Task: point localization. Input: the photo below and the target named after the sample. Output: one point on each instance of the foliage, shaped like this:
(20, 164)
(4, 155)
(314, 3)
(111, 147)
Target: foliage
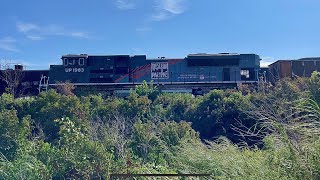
(227, 161)
(273, 134)
(66, 88)
(25, 167)
(12, 132)
(148, 90)
(314, 83)
(90, 90)
(13, 78)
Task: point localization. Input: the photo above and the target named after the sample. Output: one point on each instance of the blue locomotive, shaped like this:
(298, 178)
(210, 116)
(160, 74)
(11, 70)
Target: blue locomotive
(85, 68)
(196, 71)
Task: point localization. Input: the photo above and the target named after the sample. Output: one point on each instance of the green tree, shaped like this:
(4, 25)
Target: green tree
(148, 90)
(12, 132)
(314, 84)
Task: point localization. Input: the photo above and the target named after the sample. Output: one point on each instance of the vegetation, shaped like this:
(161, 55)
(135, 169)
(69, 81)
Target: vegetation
(238, 134)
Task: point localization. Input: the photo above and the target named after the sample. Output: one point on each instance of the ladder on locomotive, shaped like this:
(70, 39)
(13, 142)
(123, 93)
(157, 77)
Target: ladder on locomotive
(43, 84)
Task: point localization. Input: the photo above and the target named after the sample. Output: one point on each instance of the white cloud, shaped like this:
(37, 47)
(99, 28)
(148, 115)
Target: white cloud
(8, 47)
(125, 4)
(173, 6)
(79, 34)
(36, 32)
(26, 27)
(266, 61)
(8, 44)
(165, 9)
(34, 38)
(7, 40)
(161, 15)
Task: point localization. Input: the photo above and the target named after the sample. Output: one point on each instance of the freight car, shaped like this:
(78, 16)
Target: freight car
(19, 81)
(194, 73)
(291, 68)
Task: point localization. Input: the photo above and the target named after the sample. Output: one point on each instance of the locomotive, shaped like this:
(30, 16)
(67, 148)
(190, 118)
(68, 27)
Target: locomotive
(196, 73)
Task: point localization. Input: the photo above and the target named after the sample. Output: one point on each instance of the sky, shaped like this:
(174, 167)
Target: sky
(37, 33)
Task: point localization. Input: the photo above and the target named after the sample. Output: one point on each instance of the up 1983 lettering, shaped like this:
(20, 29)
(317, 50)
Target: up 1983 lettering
(75, 70)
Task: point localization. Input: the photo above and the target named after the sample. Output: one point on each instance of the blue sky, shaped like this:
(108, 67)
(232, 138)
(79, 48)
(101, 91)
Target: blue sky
(37, 32)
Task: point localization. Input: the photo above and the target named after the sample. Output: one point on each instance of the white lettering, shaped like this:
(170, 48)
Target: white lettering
(159, 70)
(75, 70)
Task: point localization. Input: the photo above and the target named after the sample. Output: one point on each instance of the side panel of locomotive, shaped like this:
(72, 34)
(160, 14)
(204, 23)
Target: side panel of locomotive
(134, 69)
(195, 68)
(91, 69)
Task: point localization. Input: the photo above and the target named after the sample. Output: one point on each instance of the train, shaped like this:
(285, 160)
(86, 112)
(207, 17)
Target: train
(195, 73)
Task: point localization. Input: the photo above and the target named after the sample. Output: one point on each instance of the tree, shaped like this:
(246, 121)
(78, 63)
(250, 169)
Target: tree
(12, 132)
(150, 90)
(66, 88)
(13, 79)
(314, 84)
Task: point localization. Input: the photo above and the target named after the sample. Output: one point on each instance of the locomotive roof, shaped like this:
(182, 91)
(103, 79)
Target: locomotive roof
(301, 59)
(310, 59)
(161, 59)
(74, 55)
(87, 55)
(220, 54)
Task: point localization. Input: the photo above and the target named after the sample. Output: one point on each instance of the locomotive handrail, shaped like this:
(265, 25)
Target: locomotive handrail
(163, 83)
